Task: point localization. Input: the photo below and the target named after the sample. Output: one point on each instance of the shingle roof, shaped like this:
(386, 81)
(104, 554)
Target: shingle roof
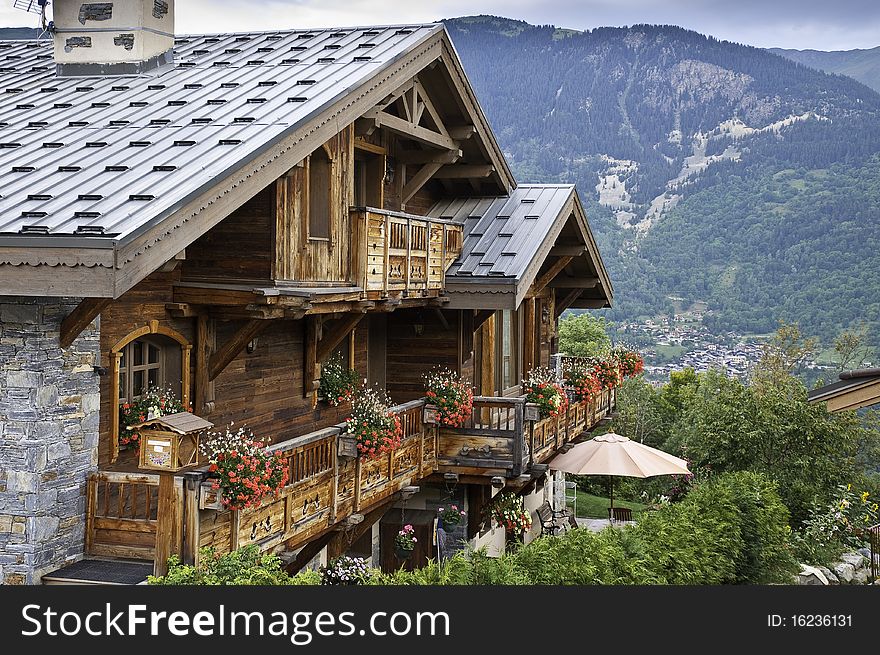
(96, 156)
(502, 235)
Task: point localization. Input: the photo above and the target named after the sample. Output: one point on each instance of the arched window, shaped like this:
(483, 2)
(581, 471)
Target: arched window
(152, 355)
(149, 362)
(320, 193)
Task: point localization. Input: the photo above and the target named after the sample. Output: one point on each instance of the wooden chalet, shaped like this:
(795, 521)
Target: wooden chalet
(223, 221)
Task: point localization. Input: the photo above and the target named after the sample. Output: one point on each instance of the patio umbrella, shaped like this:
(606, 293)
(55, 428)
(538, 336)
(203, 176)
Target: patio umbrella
(611, 454)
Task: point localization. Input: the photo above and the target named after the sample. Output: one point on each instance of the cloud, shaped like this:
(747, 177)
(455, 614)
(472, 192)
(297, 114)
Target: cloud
(819, 24)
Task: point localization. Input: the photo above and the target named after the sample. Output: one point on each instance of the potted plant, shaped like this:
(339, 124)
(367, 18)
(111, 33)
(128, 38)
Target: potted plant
(509, 511)
(345, 570)
(451, 395)
(450, 517)
(607, 372)
(542, 389)
(376, 430)
(629, 362)
(243, 471)
(152, 403)
(585, 386)
(405, 542)
(338, 383)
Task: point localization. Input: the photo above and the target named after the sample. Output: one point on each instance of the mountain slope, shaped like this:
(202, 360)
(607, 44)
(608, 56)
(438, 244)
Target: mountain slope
(657, 125)
(861, 65)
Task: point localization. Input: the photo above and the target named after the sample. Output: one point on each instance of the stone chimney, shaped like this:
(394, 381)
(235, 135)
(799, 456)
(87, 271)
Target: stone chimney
(123, 37)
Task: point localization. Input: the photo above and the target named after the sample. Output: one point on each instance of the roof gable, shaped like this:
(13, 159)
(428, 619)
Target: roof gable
(507, 239)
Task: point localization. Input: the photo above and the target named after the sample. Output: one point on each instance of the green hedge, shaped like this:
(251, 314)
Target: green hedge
(732, 529)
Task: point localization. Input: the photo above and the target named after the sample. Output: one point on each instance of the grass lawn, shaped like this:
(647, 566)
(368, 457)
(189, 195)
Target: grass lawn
(596, 507)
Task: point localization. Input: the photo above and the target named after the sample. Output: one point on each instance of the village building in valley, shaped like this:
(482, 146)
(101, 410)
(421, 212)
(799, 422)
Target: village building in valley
(220, 216)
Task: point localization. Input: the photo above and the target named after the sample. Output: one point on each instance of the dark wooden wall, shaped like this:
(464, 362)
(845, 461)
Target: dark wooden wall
(240, 246)
(410, 356)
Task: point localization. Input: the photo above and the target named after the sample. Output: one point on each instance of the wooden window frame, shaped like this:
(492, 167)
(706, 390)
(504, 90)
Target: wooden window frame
(330, 196)
(130, 368)
(116, 352)
(515, 359)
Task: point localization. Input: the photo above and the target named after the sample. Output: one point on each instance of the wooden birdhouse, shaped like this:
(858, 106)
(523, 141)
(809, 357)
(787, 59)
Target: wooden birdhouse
(170, 442)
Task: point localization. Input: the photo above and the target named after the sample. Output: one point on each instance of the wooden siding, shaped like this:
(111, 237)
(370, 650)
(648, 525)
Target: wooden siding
(298, 257)
(240, 246)
(410, 356)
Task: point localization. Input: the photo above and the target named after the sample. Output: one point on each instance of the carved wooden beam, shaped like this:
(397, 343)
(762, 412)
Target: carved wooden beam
(428, 156)
(567, 251)
(425, 173)
(575, 283)
(415, 132)
(79, 319)
(462, 132)
(334, 336)
(465, 171)
(223, 357)
(481, 317)
(565, 303)
(551, 273)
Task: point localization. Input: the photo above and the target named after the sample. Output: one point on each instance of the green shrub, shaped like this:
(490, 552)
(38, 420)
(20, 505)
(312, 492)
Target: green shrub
(245, 566)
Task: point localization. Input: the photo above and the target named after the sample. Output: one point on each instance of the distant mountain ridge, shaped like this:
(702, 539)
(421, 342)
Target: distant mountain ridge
(19, 33)
(713, 170)
(861, 65)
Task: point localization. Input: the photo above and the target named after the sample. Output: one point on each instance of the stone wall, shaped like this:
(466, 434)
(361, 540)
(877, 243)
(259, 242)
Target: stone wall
(49, 401)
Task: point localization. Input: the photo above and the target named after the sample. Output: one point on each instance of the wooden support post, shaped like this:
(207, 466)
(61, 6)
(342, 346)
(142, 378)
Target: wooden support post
(487, 358)
(115, 359)
(551, 273)
(204, 388)
(230, 350)
(168, 523)
(191, 485)
(310, 364)
(334, 336)
(78, 320)
(529, 334)
(481, 317)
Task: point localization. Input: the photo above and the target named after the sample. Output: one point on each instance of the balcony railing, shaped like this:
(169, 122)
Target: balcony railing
(402, 254)
(151, 516)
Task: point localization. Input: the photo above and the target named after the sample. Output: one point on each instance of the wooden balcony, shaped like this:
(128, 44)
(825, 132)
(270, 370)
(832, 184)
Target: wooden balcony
(500, 440)
(402, 254)
(146, 516)
(140, 516)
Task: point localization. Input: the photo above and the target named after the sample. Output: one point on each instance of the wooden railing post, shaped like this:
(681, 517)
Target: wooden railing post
(191, 485)
(168, 528)
(518, 438)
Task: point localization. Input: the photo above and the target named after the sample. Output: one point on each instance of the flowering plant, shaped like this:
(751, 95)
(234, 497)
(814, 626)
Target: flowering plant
(452, 396)
(451, 515)
(629, 362)
(607, 372)
(541, 388)
(337, 382)
(376, 429)
(406, 538)
(152, 403)
(345, 570)
(585, 385)
(509, 511)
(242, 468)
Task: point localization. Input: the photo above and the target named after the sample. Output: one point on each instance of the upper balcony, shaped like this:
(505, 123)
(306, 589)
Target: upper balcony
(398, 254)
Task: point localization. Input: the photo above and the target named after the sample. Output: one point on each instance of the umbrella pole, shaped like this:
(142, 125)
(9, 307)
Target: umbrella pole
(611, 484)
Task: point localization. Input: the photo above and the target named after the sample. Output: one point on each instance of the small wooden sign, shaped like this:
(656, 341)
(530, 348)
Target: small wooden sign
(210, 498)
(532, 412)
(431, 415)
(346, 445)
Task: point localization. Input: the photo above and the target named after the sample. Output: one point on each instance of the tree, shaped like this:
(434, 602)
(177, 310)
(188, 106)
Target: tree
(784, 355)
(584, 335)
(852, 348)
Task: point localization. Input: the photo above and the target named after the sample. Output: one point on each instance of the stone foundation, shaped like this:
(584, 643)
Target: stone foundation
(49, 403)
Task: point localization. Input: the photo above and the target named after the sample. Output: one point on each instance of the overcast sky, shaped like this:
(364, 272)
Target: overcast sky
(817, 24)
